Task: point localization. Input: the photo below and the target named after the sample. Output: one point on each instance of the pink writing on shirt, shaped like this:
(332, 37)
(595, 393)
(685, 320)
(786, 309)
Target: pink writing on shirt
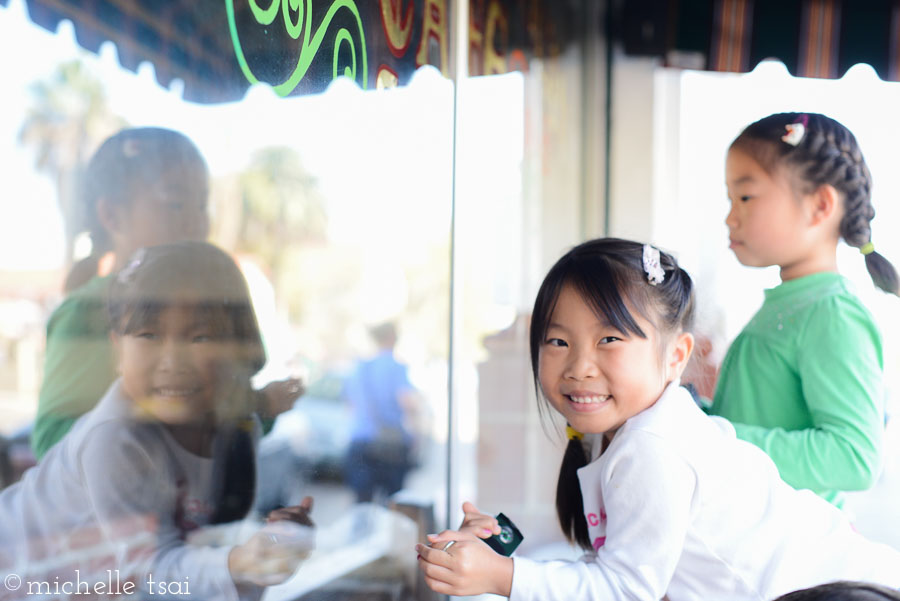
(594, 520)
(599, 542)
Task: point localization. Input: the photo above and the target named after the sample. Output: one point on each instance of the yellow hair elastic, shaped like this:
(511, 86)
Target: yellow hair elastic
(573, 434)
(867, 248)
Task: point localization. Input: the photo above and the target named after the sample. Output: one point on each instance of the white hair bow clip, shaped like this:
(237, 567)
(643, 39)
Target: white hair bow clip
(795, 133)
(127, 274)
(653, 269)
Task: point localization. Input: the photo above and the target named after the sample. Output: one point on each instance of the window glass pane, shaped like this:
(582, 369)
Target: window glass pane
(335, 209)
(285, 333)
(517, 210)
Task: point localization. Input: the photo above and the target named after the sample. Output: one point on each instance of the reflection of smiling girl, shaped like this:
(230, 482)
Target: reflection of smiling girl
(172, 364)
(143, 187)
(171, 443)
(663, 499)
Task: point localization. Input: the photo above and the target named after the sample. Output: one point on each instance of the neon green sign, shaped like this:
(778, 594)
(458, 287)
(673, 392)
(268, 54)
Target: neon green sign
(297, 18)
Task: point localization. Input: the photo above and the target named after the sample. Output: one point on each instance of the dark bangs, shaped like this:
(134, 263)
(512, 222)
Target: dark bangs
(762, 141)
(146, 313)
(604, 281)
(764, 151)
(229, 321)
(126, 320)
(189, 274)
(606, 300)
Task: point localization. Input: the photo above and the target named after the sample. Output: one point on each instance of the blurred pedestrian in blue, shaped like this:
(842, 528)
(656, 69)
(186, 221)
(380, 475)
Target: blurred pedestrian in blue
(383, 403)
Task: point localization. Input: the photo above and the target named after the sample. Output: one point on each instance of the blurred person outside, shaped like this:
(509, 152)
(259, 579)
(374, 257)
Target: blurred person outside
(385, 407)
(143, 187)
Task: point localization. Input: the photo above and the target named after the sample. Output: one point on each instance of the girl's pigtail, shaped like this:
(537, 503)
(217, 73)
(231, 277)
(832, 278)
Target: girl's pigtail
(882, 272)
(829, 154)
(234, 473)
(676, 297)
(569, 502)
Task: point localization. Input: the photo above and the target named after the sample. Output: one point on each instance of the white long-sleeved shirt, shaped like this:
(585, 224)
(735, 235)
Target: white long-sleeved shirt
(116, 493)
(677, 506)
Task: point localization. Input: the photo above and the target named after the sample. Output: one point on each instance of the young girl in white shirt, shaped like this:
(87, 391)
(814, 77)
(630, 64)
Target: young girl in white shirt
(664, 499)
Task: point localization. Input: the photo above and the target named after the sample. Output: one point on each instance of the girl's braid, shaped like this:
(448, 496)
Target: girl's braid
(833, 157)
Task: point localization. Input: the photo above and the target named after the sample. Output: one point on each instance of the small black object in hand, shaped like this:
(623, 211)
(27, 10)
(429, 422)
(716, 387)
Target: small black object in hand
(508, 539)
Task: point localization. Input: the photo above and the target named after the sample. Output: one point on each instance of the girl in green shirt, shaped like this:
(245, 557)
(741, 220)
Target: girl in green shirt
(803, 380)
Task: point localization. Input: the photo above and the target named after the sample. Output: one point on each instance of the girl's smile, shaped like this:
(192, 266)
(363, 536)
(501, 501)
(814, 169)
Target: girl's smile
(178, 400)
(176, 392)
(586, 401)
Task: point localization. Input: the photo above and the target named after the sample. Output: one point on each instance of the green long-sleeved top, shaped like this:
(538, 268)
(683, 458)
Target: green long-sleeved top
(803, 381)
(78, 363)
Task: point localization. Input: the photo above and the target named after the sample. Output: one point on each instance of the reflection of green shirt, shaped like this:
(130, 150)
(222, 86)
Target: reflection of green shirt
(78, 366)
(803, 381)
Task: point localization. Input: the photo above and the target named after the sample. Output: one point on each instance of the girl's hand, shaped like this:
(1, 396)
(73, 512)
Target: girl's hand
(477, 523)
(263, 561)
(273, 554)
(466, 567)
(296, 513)
(278, 397)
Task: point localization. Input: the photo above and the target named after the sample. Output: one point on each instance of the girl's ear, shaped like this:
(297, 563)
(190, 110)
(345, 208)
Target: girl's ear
(679, 353)
(825, 203)
(109, 214)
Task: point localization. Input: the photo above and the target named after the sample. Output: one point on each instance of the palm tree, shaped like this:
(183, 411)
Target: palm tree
(272, 211)
(281, 206)
(67, 121)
